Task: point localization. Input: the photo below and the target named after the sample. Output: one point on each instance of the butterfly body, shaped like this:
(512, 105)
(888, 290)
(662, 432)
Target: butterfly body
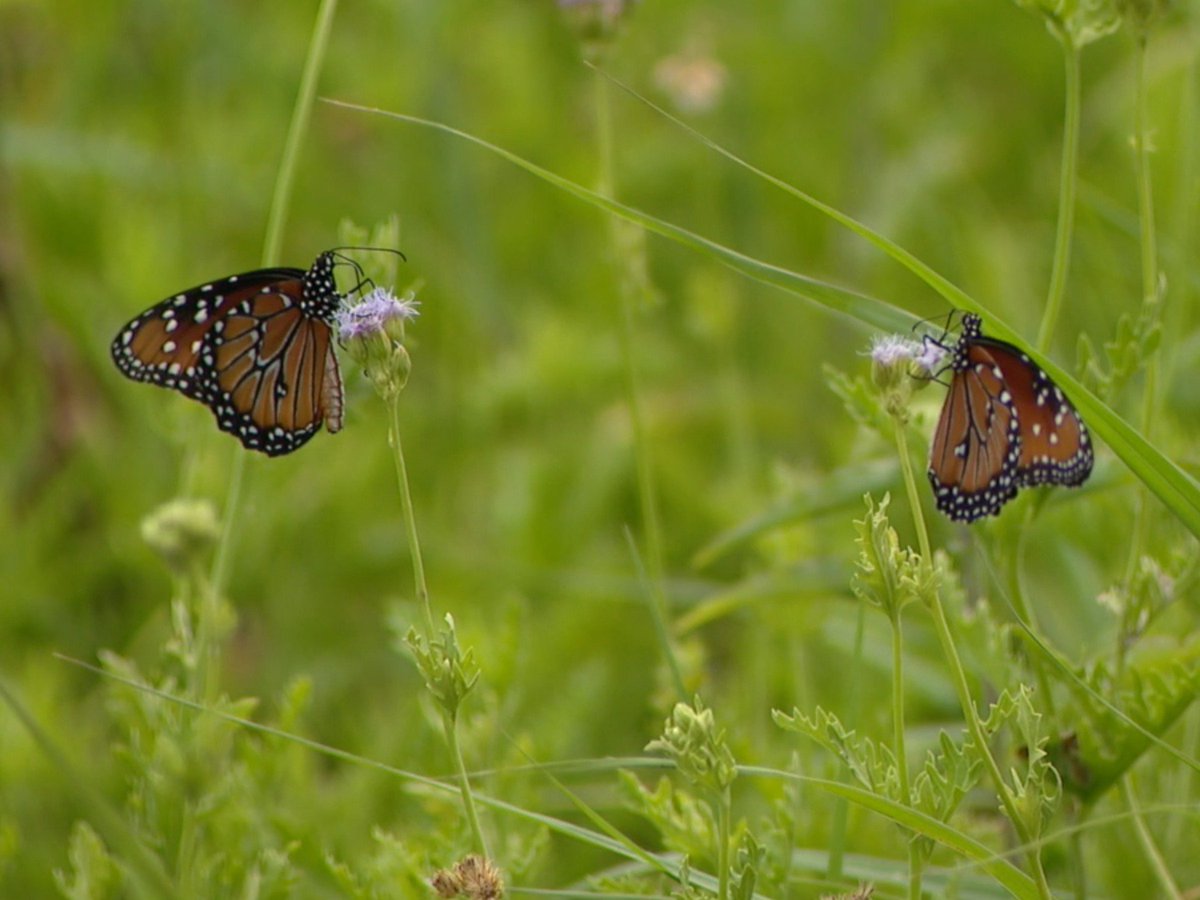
(1005, 425)
(255, 348)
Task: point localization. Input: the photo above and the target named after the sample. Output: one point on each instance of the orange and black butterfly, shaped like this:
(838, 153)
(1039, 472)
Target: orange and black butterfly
(1004, 426)
(255, 348)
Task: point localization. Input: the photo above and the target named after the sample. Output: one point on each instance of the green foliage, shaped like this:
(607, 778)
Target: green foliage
(1135, 341)
(699, 750)
(1153, 690)
(449, 672)
(94, 874)
(1033, 788)
(887, 575)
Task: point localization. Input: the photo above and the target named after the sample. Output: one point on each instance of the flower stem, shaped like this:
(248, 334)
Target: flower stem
(410, 519)
(910, 488)
(1067, 189)
(979, 738)
(450, 728)
(915, 864)
(724, 813)
(449, 719)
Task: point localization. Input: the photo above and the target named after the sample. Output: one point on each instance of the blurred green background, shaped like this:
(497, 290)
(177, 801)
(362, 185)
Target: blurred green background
(139, 145)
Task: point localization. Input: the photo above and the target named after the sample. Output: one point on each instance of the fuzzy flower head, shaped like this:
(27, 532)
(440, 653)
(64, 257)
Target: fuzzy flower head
(899, 365)
(373, 333)
(379, 313)
(595, 21)
(473, 878)
(182, 531)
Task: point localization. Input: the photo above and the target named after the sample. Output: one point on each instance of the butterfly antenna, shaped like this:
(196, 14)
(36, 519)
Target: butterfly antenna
(370, 250)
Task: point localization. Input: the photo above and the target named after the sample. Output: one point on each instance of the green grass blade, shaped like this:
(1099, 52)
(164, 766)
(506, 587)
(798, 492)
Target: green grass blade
(851, 304)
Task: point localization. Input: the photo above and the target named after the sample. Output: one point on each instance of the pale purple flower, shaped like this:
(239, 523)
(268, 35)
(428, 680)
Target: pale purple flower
(889, 350)
(374, 314)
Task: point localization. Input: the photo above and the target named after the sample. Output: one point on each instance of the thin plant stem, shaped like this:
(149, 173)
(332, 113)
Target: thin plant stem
(449, 720)
(658, 615)
(910, 488)
(839, 828)
(1151, 298)
(1182, 783)
(298, 128)
(724, 814)
(1067, 190)
(1076, 855)
(450, 728)
(975, 728)
(915, 863)
(959, 675)
(1149, 848)
(627, 279)
(646, 488)
(410, 519)
(1025, 613)
(213, 588)
(1145, 190)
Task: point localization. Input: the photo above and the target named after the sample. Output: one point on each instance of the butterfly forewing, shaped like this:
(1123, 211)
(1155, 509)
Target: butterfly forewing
(268, 367)
(255, 348)
(973, 460)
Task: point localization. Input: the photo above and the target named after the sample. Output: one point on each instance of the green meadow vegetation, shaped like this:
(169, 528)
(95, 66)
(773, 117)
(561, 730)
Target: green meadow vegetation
(624, 577)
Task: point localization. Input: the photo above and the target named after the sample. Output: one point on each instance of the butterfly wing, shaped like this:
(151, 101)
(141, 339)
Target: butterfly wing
(270, 371)
(973, 461)
(1055, 445)
(254, 348)
(163, 345)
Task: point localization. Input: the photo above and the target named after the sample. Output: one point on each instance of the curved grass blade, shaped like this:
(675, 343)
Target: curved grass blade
(850, 304)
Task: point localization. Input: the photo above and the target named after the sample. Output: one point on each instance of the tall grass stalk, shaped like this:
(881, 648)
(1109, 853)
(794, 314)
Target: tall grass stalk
(628, 273)
(1152, 305)
(1067, 190)
(1151, 295)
